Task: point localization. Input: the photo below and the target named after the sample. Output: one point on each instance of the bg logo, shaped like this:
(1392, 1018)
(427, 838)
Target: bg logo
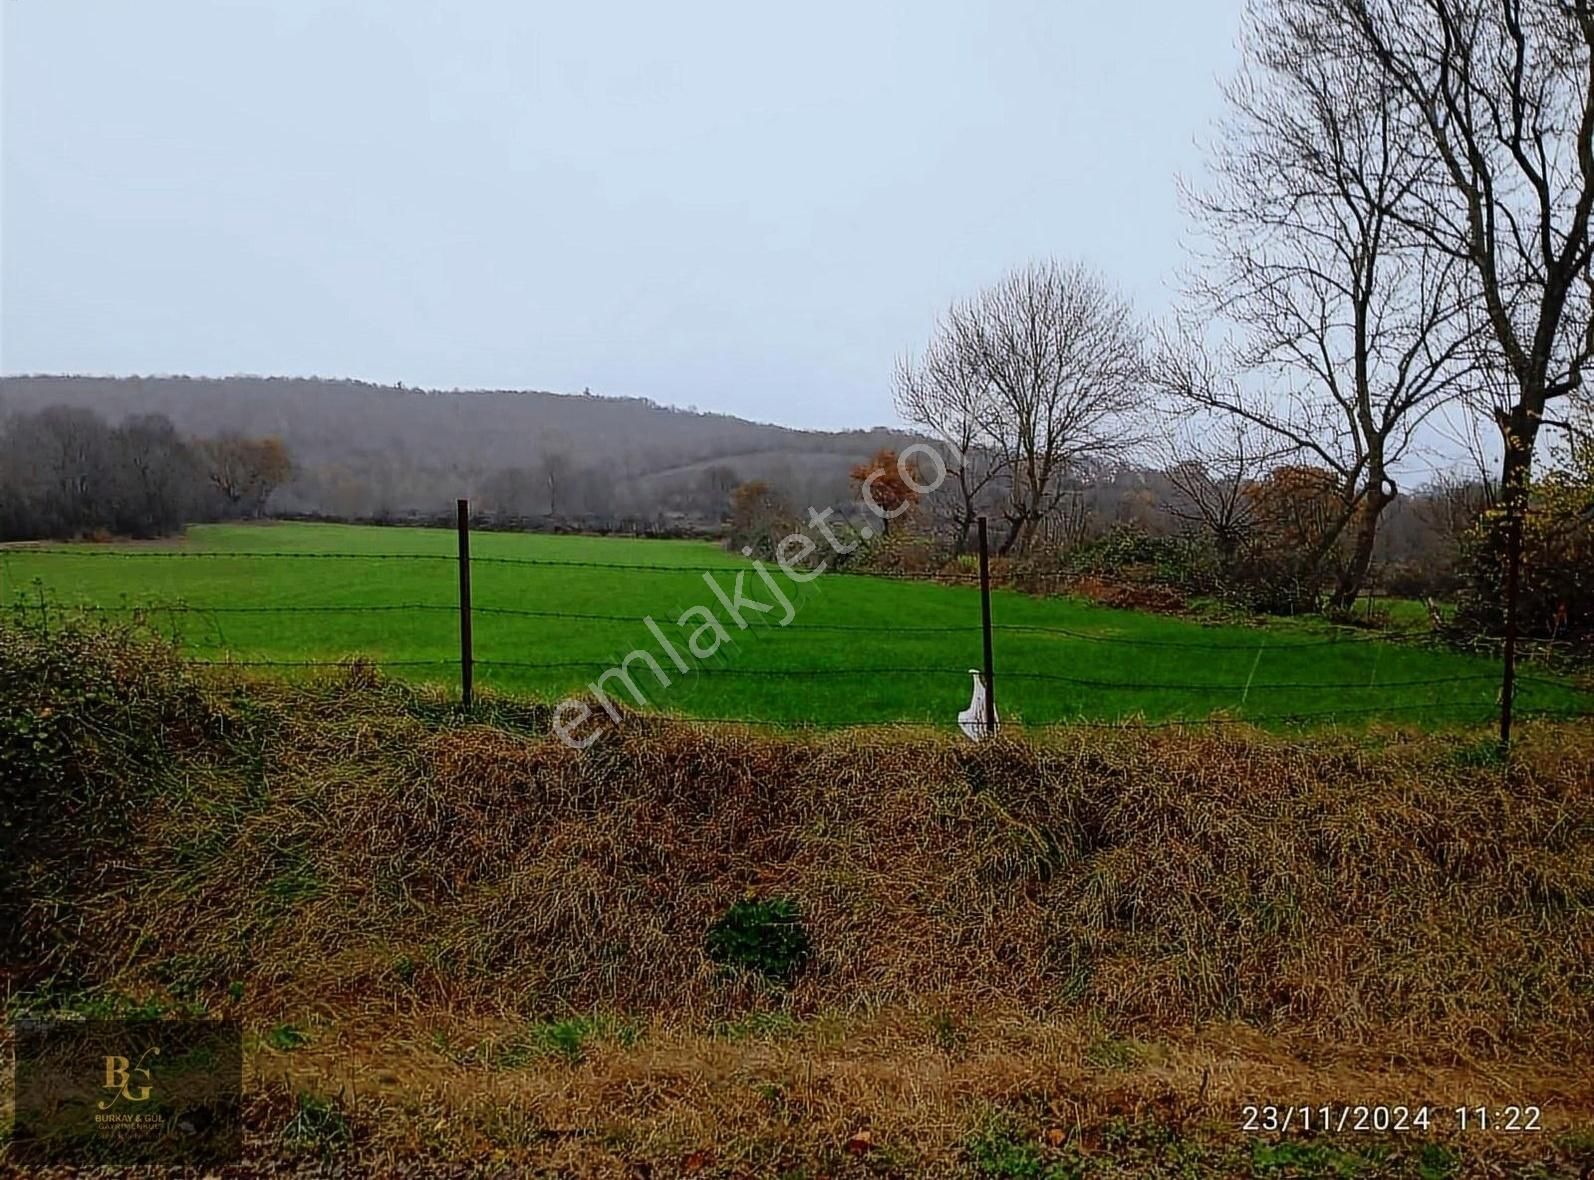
(119, 1079)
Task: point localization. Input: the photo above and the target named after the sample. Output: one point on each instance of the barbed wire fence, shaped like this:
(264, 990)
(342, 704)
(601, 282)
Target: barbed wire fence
(466, 663)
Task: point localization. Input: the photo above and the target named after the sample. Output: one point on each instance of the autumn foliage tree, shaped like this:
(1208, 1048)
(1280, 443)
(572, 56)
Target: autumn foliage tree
(246, 470)
(760, 518)
(1297, 505)
(887, 483)
(1296, 540)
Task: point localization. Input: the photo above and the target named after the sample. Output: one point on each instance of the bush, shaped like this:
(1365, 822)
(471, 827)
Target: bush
(1420, 579)
(762, 936)
(1130, 554)
(1556, 591)
(1129, 596)
(761, 517)
(1272, 581)
(78, 708)
(902, 552)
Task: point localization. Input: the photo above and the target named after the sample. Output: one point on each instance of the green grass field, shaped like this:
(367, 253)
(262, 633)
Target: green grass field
(851, 654)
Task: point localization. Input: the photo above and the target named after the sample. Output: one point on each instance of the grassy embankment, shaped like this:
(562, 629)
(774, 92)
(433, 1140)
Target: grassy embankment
(461, 944)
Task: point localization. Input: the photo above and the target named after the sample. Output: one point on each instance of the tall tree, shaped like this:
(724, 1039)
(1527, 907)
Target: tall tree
(1057, 354)
(157, 476)
(1500, 94)
(1349, 333)
(944, 391)
(555, 468)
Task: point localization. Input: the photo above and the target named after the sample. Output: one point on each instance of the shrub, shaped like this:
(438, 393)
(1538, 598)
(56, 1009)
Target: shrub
(1272, 581)
(79, 708)
(761, 517)
(1556, 590)
(1434, 578)
(901, 552)
(1132, 555)
(1127, 596)
(766, 937)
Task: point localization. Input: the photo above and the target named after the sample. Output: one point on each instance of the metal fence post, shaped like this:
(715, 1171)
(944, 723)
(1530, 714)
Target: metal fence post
(985, 626)
(466, 671)
(1513, 578)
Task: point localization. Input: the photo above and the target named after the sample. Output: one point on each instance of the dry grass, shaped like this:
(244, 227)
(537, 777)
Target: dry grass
(493, 946)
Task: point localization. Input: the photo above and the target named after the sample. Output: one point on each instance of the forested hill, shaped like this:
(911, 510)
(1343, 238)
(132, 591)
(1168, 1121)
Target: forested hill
(362, 449)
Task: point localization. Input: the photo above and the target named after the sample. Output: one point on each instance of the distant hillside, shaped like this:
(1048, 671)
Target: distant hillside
(364, 449)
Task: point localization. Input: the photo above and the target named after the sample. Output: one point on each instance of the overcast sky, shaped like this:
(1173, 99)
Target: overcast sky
(744, 207)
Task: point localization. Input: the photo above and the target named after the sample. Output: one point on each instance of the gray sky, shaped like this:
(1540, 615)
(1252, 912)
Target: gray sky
(744, 207)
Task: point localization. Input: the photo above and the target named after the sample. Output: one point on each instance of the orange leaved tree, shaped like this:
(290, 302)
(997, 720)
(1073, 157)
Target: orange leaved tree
(886, 483)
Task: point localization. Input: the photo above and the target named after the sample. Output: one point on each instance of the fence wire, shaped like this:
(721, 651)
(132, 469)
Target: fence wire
(1338, 638)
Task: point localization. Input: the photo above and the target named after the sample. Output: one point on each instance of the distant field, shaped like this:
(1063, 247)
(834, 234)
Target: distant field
(851, 655)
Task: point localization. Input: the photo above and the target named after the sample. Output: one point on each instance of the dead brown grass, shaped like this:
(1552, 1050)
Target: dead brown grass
(1348, 891)
(1229, 913)
(760, 1105)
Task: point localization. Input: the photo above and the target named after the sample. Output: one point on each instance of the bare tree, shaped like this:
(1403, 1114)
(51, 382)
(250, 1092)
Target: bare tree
(1500, 93)
(554, 469)
(1350, 333)
(1212, 462)
(943, 392)
(58, 462)
(1058, 355)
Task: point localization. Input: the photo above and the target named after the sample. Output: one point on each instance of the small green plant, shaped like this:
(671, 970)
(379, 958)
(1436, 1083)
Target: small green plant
(1437, 1162)
(1000, 1150)
(1292, 1158)
(297, 883)
(764, 936)
(1480, 754)
(286, 1038)
(759, 1026)
(404, 970)
(567, 1038)
(1110, 1052)
(947, 1031)
(317, 1124)
(106, 1004)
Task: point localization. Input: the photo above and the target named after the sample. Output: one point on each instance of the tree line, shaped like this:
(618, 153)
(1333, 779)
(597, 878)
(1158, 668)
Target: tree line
(66, 472)
(389, 453)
